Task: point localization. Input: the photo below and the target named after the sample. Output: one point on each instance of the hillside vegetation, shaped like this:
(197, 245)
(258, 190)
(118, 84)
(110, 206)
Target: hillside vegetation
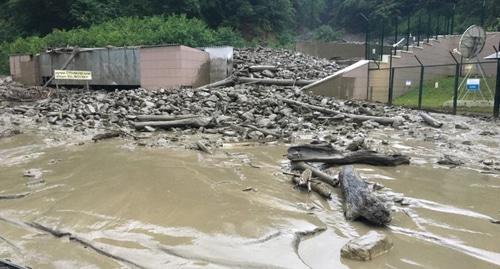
(31, 25)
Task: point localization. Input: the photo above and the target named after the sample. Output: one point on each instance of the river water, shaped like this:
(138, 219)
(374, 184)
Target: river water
(176, 208)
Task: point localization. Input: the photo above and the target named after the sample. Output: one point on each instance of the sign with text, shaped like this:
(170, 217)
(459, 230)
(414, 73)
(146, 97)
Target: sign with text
(72, 75)
(473, 84)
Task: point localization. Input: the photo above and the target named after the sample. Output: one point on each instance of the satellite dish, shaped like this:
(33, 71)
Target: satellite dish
(472, 42)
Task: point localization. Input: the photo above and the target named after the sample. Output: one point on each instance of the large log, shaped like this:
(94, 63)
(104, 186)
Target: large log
(359, 200)
(430, 120)
(277, 82)
(191, 122)
(258, 68)
(359, 118)
(328, 155)
(163, 117)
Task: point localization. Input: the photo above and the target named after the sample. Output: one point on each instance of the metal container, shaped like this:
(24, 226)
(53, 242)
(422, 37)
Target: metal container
(221, 62)
(109, 66)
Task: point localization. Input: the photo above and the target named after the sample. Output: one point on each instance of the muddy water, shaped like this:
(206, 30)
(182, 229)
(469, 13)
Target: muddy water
(173, 208)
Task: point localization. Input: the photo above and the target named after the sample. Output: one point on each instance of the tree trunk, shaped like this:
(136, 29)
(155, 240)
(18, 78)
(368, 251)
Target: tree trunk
(163, 117)
(258, 68)
(278, 82)
(359, 200)
(191, 122)
(359, 118)
(308, 154)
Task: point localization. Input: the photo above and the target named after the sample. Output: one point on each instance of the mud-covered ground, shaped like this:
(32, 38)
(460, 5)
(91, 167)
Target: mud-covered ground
(157, 203)
(211, 193)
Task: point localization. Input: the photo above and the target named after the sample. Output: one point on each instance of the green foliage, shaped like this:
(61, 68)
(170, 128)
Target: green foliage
(127, 31)
(326, 33)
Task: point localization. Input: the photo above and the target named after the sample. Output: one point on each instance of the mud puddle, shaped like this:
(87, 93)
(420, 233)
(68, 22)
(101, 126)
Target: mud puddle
(175, 208)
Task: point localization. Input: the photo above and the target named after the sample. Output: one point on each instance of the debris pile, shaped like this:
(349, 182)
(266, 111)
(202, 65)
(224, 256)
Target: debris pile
(281, 64)
(14, 91)
(238, 113)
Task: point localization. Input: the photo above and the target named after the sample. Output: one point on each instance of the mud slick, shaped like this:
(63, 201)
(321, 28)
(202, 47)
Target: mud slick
(324, 137)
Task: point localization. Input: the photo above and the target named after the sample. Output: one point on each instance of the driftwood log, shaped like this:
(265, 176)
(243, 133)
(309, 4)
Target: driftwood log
(108, 135)
(259, 68)
(430, 120)
(142, 118)
(325, 153)
(359, 118)
(264, 131)
(190, 122)
(277, 82)
(360, 202)
(313, 185)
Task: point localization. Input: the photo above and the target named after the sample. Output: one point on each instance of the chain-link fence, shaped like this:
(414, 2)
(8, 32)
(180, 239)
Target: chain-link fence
(451, 88)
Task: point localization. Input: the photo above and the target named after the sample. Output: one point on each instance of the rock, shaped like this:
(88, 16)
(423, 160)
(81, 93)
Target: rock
(33, 173)
(450, 160)
(264, 123)
(356, 144)
(488, 162)
(367, 247)
(462, 126)
(268, 73)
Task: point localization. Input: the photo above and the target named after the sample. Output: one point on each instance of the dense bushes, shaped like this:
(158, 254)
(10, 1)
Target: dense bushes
(126, 32)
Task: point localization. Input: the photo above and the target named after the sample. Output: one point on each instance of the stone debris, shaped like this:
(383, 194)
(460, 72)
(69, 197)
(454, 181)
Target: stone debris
(367, 247)
(281, 64)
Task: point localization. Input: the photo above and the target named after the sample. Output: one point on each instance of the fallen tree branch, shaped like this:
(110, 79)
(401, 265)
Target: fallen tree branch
(14, 196)
(359, 200)
(317, 186)
(220, 83)
(322, 176)
(430, 120)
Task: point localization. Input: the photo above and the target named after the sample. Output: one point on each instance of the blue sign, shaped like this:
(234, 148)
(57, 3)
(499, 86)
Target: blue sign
(473, 84)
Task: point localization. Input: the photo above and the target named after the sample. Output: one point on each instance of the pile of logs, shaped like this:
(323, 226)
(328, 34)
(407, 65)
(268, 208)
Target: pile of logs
(359, 199)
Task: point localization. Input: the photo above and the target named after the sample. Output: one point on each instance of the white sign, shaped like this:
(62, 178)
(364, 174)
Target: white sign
(408, 83)
(473, 84)
(72, 75)
(436, 85)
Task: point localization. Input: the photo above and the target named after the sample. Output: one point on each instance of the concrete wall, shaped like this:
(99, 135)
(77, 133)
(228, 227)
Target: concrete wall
(349, 83)
(334, 50)
(174, 67)
(25, 69)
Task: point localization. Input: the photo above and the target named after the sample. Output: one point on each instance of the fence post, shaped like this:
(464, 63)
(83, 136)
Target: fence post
(421, 85)
(382, 41)
(408, 35)
(496, 105)
(455, 89)
(391, 86)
